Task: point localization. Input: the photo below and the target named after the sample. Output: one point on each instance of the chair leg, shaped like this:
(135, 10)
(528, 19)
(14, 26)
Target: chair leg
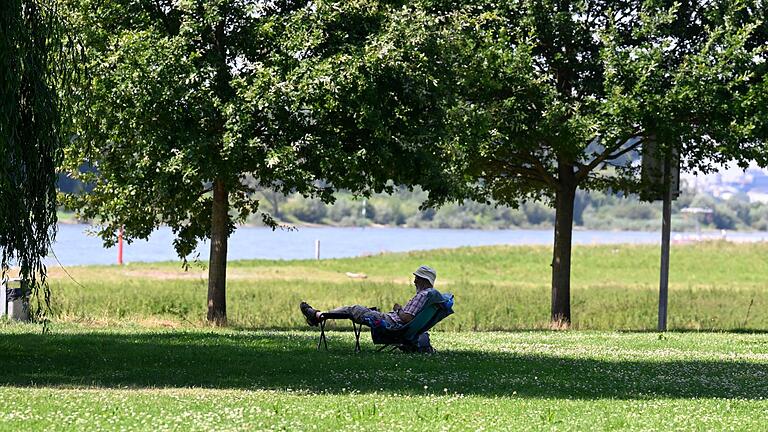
(381, 348)
(357, 328)
(323, 340)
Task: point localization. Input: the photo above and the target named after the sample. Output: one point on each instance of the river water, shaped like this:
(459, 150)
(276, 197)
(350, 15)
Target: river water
(75, 247)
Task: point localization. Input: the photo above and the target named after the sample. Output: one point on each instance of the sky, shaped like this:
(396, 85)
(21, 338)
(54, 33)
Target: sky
(727, 171)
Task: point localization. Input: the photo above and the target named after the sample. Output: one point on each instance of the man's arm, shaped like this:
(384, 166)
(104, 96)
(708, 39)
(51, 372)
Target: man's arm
(405, 317)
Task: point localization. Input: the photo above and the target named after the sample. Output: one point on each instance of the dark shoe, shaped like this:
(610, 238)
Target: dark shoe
(310, 314)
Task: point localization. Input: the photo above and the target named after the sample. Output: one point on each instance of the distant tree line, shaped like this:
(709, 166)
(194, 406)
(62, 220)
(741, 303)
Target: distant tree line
(593, 210)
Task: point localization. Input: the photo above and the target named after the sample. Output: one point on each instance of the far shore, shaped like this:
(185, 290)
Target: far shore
(708, 231)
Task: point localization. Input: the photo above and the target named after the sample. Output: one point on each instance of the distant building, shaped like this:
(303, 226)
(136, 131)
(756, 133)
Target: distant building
(758, 195)
(724, 192)
(757, 189)
(723, 185)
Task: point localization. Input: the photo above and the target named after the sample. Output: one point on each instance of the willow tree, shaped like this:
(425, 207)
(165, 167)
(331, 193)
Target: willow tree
(35, 64)
(195, 106)
(552, 96)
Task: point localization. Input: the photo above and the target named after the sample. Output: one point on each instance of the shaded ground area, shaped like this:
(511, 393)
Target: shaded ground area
(533, 364)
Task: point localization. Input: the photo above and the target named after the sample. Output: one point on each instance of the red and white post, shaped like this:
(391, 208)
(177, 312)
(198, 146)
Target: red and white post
(120, 246)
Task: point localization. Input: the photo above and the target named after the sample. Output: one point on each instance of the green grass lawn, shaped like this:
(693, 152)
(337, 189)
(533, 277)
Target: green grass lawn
(720, 286)
(128, 350)
(131, 377)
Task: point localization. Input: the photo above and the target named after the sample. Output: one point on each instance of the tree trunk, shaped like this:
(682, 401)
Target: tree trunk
(561, 259)
(217, 264)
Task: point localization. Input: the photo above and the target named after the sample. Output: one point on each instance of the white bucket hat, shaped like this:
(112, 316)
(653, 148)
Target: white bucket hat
(427, 273)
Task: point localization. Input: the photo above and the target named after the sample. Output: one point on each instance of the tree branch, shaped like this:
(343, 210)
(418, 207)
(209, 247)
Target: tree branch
(535, 173)
(203, 192)
(608, 154)
(625, 151)
(171, 27)
(542, 170)
(519, 175)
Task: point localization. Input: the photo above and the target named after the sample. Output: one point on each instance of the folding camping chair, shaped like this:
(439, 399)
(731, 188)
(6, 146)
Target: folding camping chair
(437, 307)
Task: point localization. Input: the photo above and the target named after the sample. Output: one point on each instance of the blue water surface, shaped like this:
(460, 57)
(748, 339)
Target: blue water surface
(74, 246)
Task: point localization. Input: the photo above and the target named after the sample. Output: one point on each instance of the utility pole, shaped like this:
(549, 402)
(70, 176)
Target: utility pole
(666, 230)
(661, 181)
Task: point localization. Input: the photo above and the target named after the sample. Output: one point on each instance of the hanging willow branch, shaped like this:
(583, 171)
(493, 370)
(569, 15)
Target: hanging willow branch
(36, 67)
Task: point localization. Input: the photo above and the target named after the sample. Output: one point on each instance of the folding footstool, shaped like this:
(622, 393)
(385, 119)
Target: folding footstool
(357, 328)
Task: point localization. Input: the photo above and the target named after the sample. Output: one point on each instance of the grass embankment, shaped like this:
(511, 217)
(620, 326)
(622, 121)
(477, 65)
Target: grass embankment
(125, 377)
(497, 288)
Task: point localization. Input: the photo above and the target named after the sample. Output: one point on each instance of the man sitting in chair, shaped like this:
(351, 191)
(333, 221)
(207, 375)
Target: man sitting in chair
(424, 278)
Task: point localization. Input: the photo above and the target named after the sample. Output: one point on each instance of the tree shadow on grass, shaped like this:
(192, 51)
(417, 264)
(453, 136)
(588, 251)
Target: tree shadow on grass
(702, 331)
(275, 360)
(345, 325)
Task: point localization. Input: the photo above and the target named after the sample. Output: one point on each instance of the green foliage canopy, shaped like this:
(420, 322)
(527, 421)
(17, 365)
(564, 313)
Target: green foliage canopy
(539, 86)
(284, 95)
(548, 96)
